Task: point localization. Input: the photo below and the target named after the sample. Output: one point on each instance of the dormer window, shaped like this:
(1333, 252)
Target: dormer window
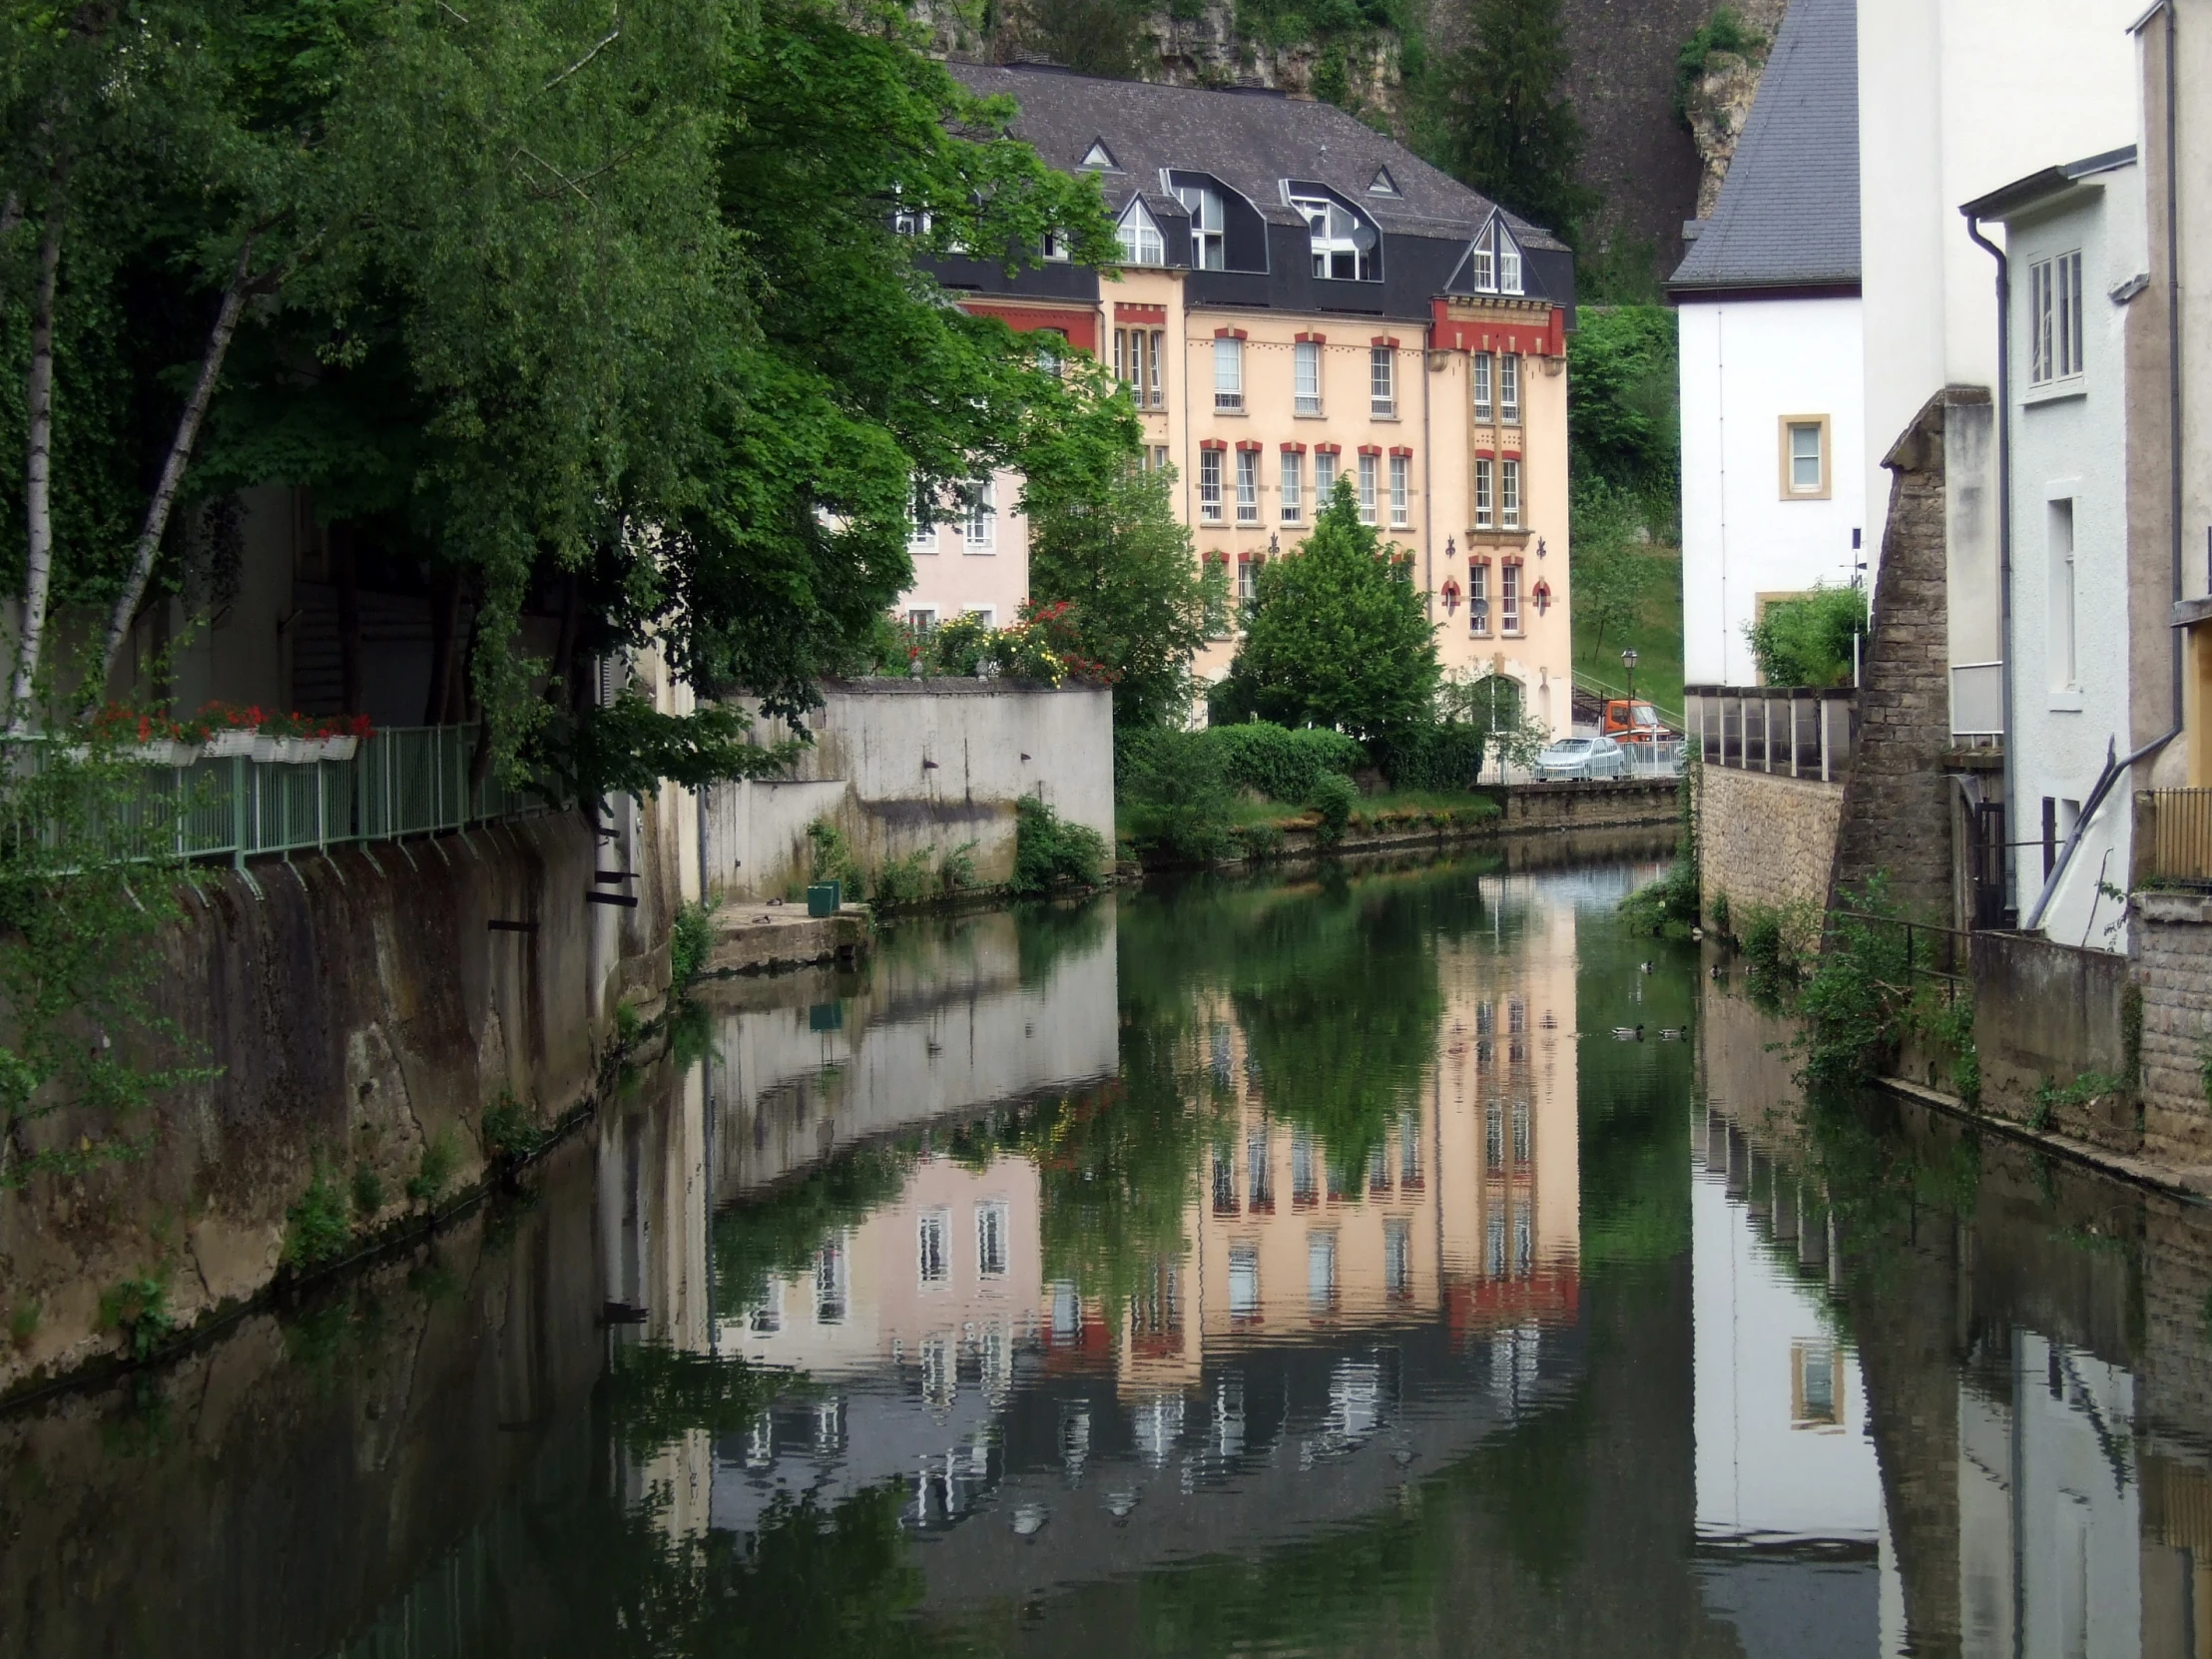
(1057, 246)
(1383, 183)
(1496, 261)
(1209, 241)
(1344, 244)
(1140, 239)
(1098, 158)
(1508, 264)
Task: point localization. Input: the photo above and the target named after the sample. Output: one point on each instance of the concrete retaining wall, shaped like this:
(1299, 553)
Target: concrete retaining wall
(2047, 1012)
(919, 766)
(358, 1009)
(1765, 840)
(2174, 968)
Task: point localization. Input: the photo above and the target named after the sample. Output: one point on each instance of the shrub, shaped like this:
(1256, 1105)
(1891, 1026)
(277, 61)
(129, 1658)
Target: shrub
(957, 873)
(439, 1155)
(369, 1191)
(317, 1228)
(1331, 798)
(139, 1309)
(23, 1323)
(1668, 907)
(690, 943)
(1050, 854)
(509, 1133)
(1260, 842)
(1806, 641)
(904, 881)
(830, 858)
(1438, 756)
(1181, 802)
(1864, 1001)
(1278, 763)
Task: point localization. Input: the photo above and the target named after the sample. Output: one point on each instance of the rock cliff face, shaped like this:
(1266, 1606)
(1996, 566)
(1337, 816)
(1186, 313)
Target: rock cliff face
(1719, 100)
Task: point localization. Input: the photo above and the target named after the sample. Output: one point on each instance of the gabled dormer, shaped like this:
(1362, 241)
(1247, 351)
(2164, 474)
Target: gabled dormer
(1382, 184)
(1492, 262)
(1098, 159)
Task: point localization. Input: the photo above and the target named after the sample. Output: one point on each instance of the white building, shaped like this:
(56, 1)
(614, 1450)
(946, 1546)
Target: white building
(2077, 253)
(1772, 353)
(973, 559)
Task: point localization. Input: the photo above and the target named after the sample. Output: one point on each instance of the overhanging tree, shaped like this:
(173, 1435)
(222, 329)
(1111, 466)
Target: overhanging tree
(1497, 116)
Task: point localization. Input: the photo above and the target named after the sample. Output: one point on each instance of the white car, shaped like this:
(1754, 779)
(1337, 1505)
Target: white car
(1582, 758)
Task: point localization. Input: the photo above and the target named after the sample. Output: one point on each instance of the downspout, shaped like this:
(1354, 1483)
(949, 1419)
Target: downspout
(1428, 492)
(2005, 534)
(2113, 770)
(2173, 340)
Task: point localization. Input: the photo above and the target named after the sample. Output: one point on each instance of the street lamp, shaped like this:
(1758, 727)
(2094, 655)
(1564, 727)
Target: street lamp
(1628, 661)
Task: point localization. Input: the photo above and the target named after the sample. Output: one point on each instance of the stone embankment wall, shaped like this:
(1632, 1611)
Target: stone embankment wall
(916, 765)
(358, 1012)
(1764, 840)
(2173, 939)
(2049, 1013)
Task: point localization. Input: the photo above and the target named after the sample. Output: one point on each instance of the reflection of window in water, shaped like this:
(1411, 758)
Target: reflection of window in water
(1156, 1309)
(1482, 1052)
(990, 1239)
(759, 1443)
(1067, 1313)
(938, 1379)
(931, 1253)
(1158, 1426)
(1320, 1268)
(994, 1362)
(1244, 1282)
(1378, 1170)
(1408, 1150)
(1224, 1073)
(829, 1428)
(1397, 1258)
(2071, 1549)
(1493, 1136)
(830, 1280)
(1258, 1164)
(1224, 1181)
(768, 1313)
(1075, 1440)
(1333, 1169)
(1520, 1130)
(1516, 1017)
(1815, 1385)
(1356, 1399)
(1516, 1051)
(1229, 1415)
(1494, 1246)
(1524, 1245)
(1302, 1168)
(1484, 1020)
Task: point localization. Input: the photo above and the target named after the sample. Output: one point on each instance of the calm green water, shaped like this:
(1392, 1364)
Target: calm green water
(1296, 1267)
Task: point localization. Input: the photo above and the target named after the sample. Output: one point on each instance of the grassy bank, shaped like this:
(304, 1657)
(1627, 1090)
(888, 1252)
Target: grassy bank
(1655, 635)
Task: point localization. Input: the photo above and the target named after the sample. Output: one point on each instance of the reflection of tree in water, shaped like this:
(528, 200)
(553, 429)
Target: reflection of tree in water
(781, 1232)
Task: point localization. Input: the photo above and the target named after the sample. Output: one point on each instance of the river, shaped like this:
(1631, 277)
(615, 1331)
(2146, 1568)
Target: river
(1400, 1260)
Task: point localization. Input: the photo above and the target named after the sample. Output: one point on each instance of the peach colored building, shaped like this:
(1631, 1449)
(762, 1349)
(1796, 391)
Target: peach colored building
(1301, 298)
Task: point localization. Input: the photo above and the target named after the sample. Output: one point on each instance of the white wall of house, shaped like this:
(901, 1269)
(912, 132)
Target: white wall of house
(2070, 451)
(1748, 368)
(957, 571)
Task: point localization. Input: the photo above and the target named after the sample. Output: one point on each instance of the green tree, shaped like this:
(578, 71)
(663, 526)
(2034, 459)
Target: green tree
(1625, 422)
(1140, 601)
(1810, 640)
(1337, 636)
(1498, 118)
(1610, 575)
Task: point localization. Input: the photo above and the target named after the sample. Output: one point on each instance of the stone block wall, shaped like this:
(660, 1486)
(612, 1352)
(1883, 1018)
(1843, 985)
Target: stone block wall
(1897, 808)
(1764, 840)
(2049, 1012)
(2173, 963)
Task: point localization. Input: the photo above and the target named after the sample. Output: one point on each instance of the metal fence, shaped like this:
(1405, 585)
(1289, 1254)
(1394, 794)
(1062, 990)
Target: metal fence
(408, 780)
(2176, 841)
(1789, 731)
(1926, 950)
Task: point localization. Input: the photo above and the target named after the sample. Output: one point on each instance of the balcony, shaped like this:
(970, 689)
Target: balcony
(1792, 732)
(2173, 836)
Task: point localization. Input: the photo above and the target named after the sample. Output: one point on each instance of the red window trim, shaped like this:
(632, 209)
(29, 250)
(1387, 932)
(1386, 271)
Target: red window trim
(1213, 443)
(1329, 449)
(1390, 341)
(1478, 559)
(1483, 454)
(1512, 559)
(1250, 443)
(1294, 448)
(1371, 449)
(1229, 333)
(1309, 338)
(1401, 449)
(1130, 311)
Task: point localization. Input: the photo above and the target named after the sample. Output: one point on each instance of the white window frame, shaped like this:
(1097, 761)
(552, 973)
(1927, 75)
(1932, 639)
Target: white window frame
(1139, 238)
(1294, 486)
(2055, 320)
(1229, 373)
(1402, 491)
(1248, 579)
(1056, 250)
(923, 538)
(994, 1240)
(1509, 493)
(978, 526)
(1508, 262)
(1209, 485)
(1367, 471)
(1509, 601)
(987, 615)
(1332, 233)
(1306, 377)
(1155, 385)
(1478, 601)
(1485, 272)
(921, 618)
(1485, 364)
(1248, 486)
(1793, 489)
(1486, 472)
(1508, 388)
(934, 1248)
(2063, 634)
(1325, 477)
(1382, 382)
(1209, 239)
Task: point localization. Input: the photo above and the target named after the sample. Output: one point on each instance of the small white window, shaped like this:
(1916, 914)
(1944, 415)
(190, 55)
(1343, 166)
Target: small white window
(1209, 485)
(1244, 1282)
(932, 1258)
(1306, 372)
(831, 1282)
(1154, 380)
(2055, 320)
(1478, 603)
(1366, 488)
(1228, 373)
(1057, 246)
(1208, 246)
(1248, 486)
(1294, 486)
(1099, 156)
(1805, 456)
(1483, 473)
(1509, 495)
(1508, 390)
(922, 537)
(1140, 239)
(1508, 598)
(1325, 477)
(990, 1239)
(987, 615)
(2064, 669)
(1382, 380)
(1486, 264)
(1508, 264)
(921, 618)
(1247, 578)
(1401, 494)
(1344, 244)
(1382, 184)
(1484, 408)
(978, 527)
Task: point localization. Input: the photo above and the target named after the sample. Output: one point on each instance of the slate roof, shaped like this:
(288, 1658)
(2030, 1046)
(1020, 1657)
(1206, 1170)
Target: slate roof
(1251, 140)
(1788, 214)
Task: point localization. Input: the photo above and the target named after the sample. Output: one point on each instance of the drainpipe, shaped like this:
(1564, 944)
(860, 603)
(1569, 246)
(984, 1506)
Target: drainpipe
(2173, 339)
(1428, 492)
(2004, 532)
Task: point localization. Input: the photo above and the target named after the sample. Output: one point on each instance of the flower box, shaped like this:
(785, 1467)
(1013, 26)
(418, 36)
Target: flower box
(230, 743)
(338, 749)
(161, 752)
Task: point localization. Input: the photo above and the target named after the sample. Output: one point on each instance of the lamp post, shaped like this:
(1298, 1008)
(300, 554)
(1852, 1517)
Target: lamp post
(1628, 661)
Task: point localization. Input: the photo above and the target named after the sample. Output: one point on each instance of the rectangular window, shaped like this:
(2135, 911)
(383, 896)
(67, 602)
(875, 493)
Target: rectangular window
(831, 1282)
(1508, 599)
(1224, 1181)
(1228, 373)
(2064, 670)
(1366, 489)
(921, 618)
(1509, 264)
(990, 1239)
(1320, 1269)
(1208, 248)
(932, 1258)
(1508, 390)
(1478, 599)
(1398, 1260)
(923, 537)
(1209, 485)
(1493, 1137)
(1484, 516)
(1248, 579)
(1805, 474)
(978, 528)
(1304, 1188)
(1124, 370)
(1155, 364)
(2055, 320)
(987, 615)
(1485, 267)
(1306, 373)
(1248, 486)
(1244, 1282)
(1294, 486)
(1408, 1152)
(1159, 456)
(1381, 383)
(1509, 495)
(1324, 478)
(1483, 402)
(1401, 505)
(1263, 1177)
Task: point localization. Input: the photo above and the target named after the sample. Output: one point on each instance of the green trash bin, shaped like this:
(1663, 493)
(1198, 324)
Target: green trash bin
(823, 897)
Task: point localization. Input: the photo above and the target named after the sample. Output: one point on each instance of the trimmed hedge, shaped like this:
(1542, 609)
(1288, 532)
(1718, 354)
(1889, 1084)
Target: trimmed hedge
(1430, 757)
(1281, 764)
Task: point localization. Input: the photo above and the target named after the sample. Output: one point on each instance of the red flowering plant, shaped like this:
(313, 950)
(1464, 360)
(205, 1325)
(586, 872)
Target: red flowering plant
(1048, 631)
(119, 723)
(229, 717)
